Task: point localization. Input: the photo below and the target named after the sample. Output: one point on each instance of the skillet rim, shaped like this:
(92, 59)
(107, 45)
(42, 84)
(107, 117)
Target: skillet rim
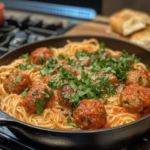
(77, 131)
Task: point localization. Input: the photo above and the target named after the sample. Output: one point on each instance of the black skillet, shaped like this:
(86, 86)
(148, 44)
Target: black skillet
(111, 138)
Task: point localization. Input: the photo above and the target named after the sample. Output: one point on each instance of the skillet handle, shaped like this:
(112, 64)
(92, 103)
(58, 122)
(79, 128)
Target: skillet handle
(6, 120)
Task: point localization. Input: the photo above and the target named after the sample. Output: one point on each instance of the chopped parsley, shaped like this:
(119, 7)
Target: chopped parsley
(89, 122)
(39, 106)
(35, 93)
(40, 103)
(141, 100)
(7, 76)
(61, 57)
(140, 79)
(126, 102)
(19, 78)
(25, 56)
(24, 93)
(103, 112)
(50, 47)
(28, 66)
(41, 60)
(13, 84)
(69, 123)
(48, 68)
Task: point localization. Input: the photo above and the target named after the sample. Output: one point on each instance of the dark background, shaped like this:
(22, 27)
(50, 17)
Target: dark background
(95, 4)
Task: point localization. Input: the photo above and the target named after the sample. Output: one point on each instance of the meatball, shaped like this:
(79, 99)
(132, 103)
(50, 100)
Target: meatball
(66, 90)
(74, 71)
(34, 93)
(41, 55)
(85, 62)
(112, 77)
(135, 98)
(137, 77)
(90, 114)
(46, 78)
(16, 82)
(53, 99)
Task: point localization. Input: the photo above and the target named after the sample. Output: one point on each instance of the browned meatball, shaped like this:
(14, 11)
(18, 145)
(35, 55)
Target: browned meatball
(135, 98)
(53, 99)
(85, 62)
(112, 77)
(75, 72)
(66, 90)
(41, 55)
(46, 78)
(137, 77)
(90, 114)
(16, 82)
(34, 93)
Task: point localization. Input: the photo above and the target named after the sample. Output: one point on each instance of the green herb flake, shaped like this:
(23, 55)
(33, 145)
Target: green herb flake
(24, 93)
(41, 60)
(50, 47)
(25, 56)
(103, 112)
(35, 93)
(89, 122)
(69, 123)
(126, 102)
(13, 84)
(141, 100)
(7, 76)
(140, 79)
(19, 78)
(74, 87)
(39, 106)
(46, 94)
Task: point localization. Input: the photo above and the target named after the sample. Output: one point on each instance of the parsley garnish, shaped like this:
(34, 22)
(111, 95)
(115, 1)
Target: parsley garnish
(126, 102)
(7, 76)
(39, 106)
(13, 84)
(48, 68)
(140, 79)
(69, 123)
(60, 57)
(25, 56)
(41, 60)
(102, 112)
(24, 93)
(50, 47)
(40, 103)
(89, 122)
(35, 93)
(28, 66)
(141, 101)
(19, 78)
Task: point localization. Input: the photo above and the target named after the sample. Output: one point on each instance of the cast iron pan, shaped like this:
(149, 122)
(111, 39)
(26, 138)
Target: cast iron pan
(111, 138)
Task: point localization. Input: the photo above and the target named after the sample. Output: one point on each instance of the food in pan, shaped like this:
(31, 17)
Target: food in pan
(81, 86)
(128, 21)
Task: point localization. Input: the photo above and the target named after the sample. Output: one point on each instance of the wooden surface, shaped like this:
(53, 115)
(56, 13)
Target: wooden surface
(93, 28)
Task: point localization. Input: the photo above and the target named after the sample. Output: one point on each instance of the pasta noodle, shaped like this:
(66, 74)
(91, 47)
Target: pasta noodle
(54, 117)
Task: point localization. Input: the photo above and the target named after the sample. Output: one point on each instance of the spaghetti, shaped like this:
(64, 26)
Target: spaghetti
(57, 114)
